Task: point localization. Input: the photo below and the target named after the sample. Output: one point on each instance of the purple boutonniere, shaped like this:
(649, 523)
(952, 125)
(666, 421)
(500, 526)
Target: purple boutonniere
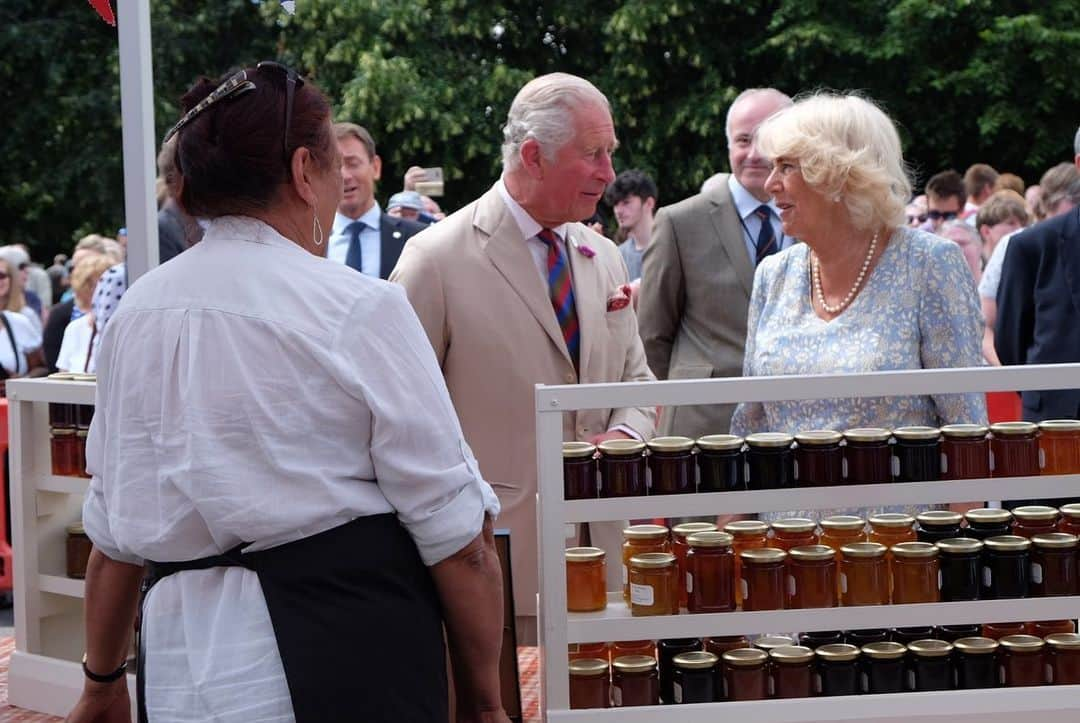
(582, 248)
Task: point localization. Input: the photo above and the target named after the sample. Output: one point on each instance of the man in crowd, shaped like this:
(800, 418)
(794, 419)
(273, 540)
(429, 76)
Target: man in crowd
(177, 229)
(979, 182)
(633, 199)
(699, 269)
(364, 237)
(513, 291)
(944, 199)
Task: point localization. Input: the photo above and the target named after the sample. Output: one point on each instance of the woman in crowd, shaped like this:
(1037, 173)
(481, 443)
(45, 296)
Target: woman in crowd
(78, 334)
(20, 340)
(864, 292)
(272, 431)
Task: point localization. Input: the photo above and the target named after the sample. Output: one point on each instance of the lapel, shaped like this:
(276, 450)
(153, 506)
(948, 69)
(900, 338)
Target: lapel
(1066, 242)
(502, 242)
(391, 241)
(729, 230)
(590, 301)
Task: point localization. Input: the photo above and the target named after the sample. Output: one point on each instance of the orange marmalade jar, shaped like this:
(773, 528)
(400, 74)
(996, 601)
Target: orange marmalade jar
(1059, 446)
(586, 574)
(892, 528)
(793, 532)
(745, 535)
(639, 539)
(840, 530)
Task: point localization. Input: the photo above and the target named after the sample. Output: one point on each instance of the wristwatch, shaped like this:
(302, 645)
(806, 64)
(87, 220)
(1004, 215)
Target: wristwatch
(115, 675)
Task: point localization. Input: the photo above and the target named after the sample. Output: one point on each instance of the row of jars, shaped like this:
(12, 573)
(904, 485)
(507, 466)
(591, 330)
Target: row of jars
(684, 672)
(771, 460)
(68, 428)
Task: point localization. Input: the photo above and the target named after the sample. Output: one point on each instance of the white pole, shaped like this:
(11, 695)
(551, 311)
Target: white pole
(140, 145)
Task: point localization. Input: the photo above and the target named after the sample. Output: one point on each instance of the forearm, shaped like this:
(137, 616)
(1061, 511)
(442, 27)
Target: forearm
(112, 597)
(469, 584)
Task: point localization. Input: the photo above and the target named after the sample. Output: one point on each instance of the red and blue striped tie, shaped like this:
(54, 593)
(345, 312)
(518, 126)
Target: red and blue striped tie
(562, 292)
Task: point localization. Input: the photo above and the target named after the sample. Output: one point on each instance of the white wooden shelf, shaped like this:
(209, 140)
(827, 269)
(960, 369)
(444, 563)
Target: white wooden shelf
(64, 485)
(60, 585)
(51, 390)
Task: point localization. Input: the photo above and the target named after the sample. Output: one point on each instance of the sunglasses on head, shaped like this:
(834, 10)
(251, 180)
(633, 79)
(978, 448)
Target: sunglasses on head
(921, 218)
(945, 215)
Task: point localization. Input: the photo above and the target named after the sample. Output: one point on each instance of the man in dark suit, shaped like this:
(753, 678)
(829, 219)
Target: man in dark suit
(364, 237)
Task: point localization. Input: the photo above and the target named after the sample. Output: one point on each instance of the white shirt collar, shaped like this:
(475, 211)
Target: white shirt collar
(745, 202)
(528, 225)
(371, 219)
(246, 228)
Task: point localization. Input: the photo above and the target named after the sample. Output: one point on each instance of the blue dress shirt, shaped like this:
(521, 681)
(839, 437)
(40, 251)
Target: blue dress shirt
(370, 241)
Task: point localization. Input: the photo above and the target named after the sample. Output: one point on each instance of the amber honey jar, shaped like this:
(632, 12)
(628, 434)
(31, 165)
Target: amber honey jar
(1042, 628)
(793, 532)
(1064, 658)
(762, 583)
(864, 574)
(1054, 565)
(652, 584)
(745, 676)
(680, 548)
(586, 576)
(892, 528)
(1006, 567)
(666, 651)
(589, 684)
(791, 672)
(710, 573)
(819, 458)
(984, 522)
(840, 530)
(581, 651)
(721, 463)
(867, 456)
(579, 471)
(1021, 661)
(80, 453)
(770, 461)
(745, 535)
(638, 539)
(997, 631)
(916, 454)
(622, 468)
(837, 670)
(634, 681)
(965, 451)
(671, 462)
(883, 668)
(695, 679)
(1014, 449)
(811, 581)
(65, 453)
(915, 573)
(930, 665)
(1031, 520)
(960, 561)
(1059, 446)
(78, 551)
(1070, 519)
(975, 663)
(937, 525)
(632, 647)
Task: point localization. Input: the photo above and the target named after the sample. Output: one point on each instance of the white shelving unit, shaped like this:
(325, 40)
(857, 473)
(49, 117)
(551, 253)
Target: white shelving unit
(45, 674)
(558, 628)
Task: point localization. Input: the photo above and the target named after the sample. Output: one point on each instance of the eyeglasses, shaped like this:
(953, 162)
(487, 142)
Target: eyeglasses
(292, 82)
(935, 215)
(238, 84)
(921, 218)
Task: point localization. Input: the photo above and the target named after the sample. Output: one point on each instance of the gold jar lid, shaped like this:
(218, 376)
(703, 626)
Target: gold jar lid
(912, 550)
(1055, 541)
(988, 516)
(652, 560)
(791, 654)
(1070, 510)
(1022, 643)
(838, 652)
(769, 439)
(62, 432)
(588, 667)
(670, 444)
(1008, 543)
(621, 447)
(1057, 641)
(584, 554)
(763, 555)
(930, 648)
(1060, 425)
(689, 528)
(884, 651)
(892, 519)
(645, 532)
(695, 660)
(1013, 429)
(917, 433)
(82, 433)
(745, 657)
(76, 529)
(84, 377)
(743, 528)
(864, 550)
(960, 545)
(719, 442)
(710, 539)
(843, 522)
(976, 645)
(770, 642)
(577, 450)
(62, 376)
(812, 552)
(794, 525)
(1035, 513)
(964, 431)
(939, 518)
(867, 434)
(634, 663)
(818, 438)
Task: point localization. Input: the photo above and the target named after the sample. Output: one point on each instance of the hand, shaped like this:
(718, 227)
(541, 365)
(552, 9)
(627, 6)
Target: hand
(414, 175)
(102, 703)
(614, 434)
(635, 292)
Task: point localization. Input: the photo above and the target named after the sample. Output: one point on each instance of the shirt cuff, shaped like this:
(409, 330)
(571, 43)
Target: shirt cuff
(627, 430)
(96, 523)
(456, 524)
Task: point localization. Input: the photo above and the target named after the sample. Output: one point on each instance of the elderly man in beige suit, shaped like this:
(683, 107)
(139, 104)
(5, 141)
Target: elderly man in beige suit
(699, 269)
(514, 291)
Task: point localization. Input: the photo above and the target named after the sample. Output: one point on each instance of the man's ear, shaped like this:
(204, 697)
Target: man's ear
(984, 233)
(376, 167)
(649, 203)
(532, 157)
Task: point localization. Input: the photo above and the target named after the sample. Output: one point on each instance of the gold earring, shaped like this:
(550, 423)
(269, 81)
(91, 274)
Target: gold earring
(316, 227)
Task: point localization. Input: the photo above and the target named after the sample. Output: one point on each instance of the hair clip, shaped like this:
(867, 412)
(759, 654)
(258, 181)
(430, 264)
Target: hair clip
(238, 84)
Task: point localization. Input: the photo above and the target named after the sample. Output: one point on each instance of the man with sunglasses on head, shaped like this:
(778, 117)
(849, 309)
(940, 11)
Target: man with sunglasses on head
(945, 196)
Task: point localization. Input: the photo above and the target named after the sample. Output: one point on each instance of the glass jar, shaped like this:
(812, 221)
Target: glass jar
(811, 581)
(1031, 520)
(770, 461)
(931, 665)
(1006, 567)
(622, 468)
(859, 638)
(816, 639)
(80, 453)
(837, 670)
(589, 685)
(961, 568)
(671, 462)
(632, 647)
(65, 455)
(634, 681)
(78, 551)
(652, 584)
(997, 631)
(586, 579)
(744, 675)
(695, 678)
(892, 528)
(721, 463)
(1064, 654)
(579, 471)
(1014, 449)
(1059, 446)
(840, 530)
(639, 539)
(762, 582)
(975, 663)
(581, 651)
(952, 633)
(769, 643)
(791, 674)
(908, 635)
(1020, 661)
(680, 548)
(84, 413)
(1070, 519)
(916, 576)
(720, 644)
(666, 651)
(867, 456)
(710, 573)
(1042, 628)
(984, 522)
(1054, 565)
(916, 454)
(965, 452)
(745, 535)
(793, 532)
(61, 415)
(819, 459)
(937, 525)
(883, 668)
(864, 574)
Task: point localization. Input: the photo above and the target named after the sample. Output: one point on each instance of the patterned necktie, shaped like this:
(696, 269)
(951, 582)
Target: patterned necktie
(562, 292)
(766, 238)
(354, 255)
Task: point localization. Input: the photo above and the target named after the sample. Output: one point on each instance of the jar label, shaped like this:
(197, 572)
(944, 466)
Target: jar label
(992, 465)
(1001, 675)
(911, 680)
(944, 464)
(689, 583)
(1049, 674)
(843, 467)
(745, 590)
(939, 579)
(791, 585)
(865, 676)
(746, 474)
(616, 696)
(843, 583)
(817, 682)
(895, 466)
(570, 530)
(1042, 458)
(642, 595)
(1036, 573)
(795, 468)
(625, 576)
(676, 691)
(772, 686)
(988, 576)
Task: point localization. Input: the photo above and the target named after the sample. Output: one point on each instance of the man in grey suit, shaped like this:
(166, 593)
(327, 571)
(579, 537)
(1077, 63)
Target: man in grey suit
(699, 270)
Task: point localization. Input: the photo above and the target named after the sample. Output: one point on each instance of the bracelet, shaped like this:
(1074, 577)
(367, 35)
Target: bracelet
(115, 675)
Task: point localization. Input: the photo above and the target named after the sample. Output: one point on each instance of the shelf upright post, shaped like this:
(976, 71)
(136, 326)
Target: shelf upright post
(24, 524)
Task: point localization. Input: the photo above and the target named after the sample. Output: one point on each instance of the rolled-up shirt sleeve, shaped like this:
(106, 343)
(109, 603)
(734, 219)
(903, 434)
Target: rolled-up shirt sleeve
(423, 465)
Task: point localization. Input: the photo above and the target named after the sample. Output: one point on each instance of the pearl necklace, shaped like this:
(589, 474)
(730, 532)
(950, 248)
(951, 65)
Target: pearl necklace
(815, 273)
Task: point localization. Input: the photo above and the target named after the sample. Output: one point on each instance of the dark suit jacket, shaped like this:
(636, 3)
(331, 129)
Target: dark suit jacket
(393, 233)
(53, 333)
(1038, 317)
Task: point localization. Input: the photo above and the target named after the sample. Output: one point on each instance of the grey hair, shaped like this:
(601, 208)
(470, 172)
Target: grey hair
(780, 96)
(540, 111)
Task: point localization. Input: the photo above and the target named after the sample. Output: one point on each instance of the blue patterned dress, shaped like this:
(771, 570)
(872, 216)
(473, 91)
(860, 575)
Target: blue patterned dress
(918, 309)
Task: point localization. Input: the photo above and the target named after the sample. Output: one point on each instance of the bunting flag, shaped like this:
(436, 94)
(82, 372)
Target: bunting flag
(104, 9)
(289, 6)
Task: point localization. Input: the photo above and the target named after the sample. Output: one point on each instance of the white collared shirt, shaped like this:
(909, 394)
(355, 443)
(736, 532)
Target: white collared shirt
(530, 227)
(746, 204)
(337, 248)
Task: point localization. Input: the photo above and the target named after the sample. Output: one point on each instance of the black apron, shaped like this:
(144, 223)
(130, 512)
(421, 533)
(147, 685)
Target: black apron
(357, 621)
